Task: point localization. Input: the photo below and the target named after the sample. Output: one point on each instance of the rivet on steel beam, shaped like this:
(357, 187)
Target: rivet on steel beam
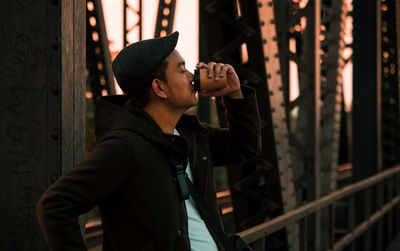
(262, 23)
(272, 21)
(54, 89)
(270, 4)
(272, 109)
(259, 5)
(54, 134)
(276, 55)
(278, 72)
(266, 59)
(274, 38)
(268, 75)
(54, 44)
(55, 2)
(264, 41)
(271, 93)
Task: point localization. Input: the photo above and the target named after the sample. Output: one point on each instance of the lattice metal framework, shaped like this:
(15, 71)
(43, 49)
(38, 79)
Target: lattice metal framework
(130, 10)
(100, 79)
(390, 86)
(333, 24)
(301, 109)
(390, 112)
(276, 99)
(234, 36)
(165, 17)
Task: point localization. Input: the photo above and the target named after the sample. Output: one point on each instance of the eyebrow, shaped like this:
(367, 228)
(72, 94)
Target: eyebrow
(181, 63)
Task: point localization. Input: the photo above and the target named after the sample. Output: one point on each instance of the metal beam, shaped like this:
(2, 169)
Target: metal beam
(42, 83)
(364, 226)
(255, 233)
(100, 79)
(128, 28)
(165, 17)
(277, 104)
(233, 36)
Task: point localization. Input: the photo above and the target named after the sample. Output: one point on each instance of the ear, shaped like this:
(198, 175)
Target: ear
(159, 87)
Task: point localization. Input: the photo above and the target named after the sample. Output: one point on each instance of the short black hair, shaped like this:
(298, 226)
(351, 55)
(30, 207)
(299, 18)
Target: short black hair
(159, 73)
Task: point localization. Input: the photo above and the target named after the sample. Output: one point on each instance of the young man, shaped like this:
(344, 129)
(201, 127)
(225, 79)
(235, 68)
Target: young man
(129, 173)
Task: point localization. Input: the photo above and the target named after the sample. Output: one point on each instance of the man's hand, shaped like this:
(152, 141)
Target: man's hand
(217, 71)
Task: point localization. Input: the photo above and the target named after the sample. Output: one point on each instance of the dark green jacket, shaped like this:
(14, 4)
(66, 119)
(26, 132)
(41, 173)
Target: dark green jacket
(129, 176)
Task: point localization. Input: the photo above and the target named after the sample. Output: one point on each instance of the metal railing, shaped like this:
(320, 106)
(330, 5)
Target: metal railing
(257, 234)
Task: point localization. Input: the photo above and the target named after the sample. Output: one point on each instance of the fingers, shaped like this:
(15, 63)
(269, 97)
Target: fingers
(216, 70)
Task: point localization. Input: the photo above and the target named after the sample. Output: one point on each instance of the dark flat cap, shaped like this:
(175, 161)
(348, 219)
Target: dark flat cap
(135, 65)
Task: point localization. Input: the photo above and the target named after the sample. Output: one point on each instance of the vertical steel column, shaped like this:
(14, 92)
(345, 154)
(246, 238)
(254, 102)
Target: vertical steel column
(42, 64)
(304, 28)
(365, 106)
(233, 36)
(317, 118)
(332, 65)
(100, 79)
(127, 28)
(397, 177)
(277, 104)
(165, 18)
(390, 112)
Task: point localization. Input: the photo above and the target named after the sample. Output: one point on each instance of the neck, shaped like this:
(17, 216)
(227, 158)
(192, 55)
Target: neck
(164, 116)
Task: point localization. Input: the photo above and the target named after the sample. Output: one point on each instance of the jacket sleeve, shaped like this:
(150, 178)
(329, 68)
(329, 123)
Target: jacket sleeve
(100, 175)
(241, 140)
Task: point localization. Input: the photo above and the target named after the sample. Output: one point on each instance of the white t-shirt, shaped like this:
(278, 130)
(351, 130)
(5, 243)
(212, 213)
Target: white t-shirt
(199, 236)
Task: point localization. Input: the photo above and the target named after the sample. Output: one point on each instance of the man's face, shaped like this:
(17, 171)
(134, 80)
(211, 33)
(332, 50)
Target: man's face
(180, 92)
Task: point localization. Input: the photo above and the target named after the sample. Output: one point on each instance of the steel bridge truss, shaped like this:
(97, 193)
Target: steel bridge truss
(132, 10)
(100, 80)
(165, 17)
(242, 33)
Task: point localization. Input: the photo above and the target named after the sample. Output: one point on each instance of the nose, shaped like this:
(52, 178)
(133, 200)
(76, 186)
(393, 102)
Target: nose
(190, 76)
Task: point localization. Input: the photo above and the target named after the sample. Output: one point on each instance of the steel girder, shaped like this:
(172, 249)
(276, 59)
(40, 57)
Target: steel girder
(233, 35)
(390, 86)
(128, 28)
(42, 83)
(100, 80)
(165, 17)
(390, 113)
(303, 19)
(279, 115)
(334, 14)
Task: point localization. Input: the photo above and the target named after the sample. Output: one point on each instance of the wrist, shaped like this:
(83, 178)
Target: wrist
(236, 94)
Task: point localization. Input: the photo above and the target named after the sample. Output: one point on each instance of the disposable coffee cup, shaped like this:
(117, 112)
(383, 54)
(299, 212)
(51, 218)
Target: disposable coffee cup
(203, 82)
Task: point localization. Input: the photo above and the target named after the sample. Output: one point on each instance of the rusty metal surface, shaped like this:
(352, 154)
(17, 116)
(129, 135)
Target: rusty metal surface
(42, 64)
(279, 118)
(258, 232)
(100, 79)
(128, 25)
(233, 36)
(29, 128)
(165, 17)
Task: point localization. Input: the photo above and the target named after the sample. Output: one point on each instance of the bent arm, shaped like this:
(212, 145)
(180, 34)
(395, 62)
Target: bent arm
(104, 172)
(241, 140)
